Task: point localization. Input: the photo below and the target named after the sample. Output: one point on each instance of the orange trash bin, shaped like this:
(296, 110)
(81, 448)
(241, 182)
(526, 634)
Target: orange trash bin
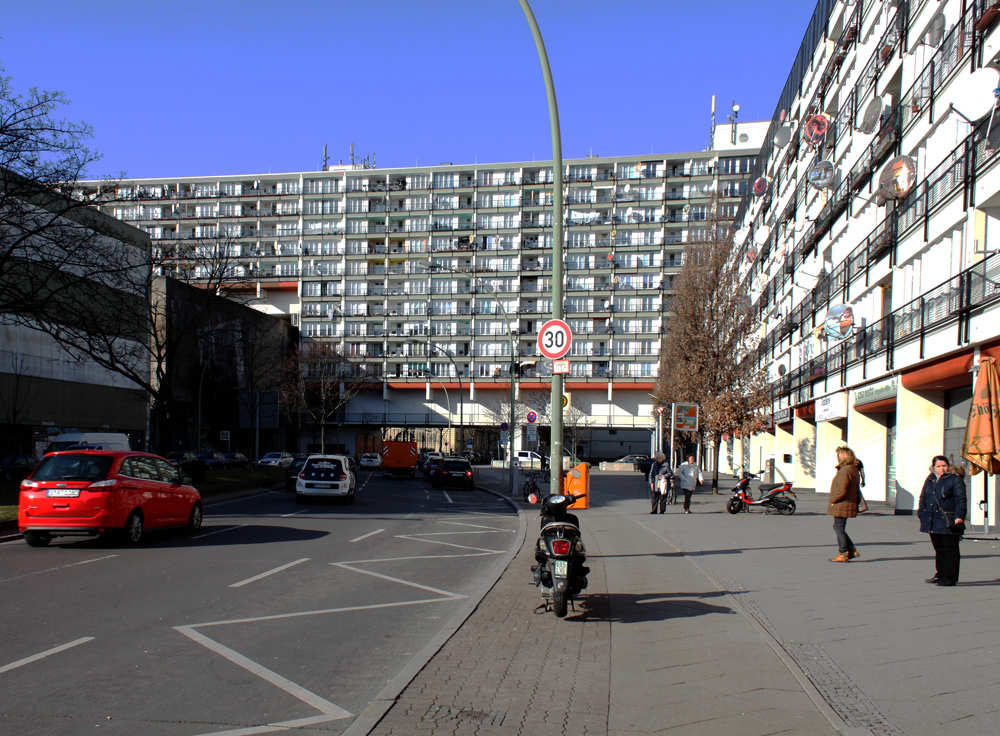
(577, 482)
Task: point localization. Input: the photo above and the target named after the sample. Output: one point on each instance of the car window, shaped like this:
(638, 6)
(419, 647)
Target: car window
(457, 465)
(73, 467)
(144, 468)
(271, 456)
(323, 469)
(168, 473)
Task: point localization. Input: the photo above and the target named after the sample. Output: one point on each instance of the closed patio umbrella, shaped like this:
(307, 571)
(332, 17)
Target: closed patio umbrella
(981, 446)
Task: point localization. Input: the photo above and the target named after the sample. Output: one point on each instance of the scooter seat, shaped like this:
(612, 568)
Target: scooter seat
(765, 487)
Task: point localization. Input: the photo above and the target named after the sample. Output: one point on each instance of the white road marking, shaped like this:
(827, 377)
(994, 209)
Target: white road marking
(345, 609)
(36, 657)
(219, 531)
(294, 513)
(61, 567)
(369, 534)
(415, 557)
(272, 727)
(269, 572)
(297, 691)
(477, 526)
(447, 544)
(447, 496)
(397, 580)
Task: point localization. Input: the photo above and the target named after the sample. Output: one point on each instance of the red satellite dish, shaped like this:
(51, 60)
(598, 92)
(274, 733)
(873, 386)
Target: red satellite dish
(760, 187)
(814, 131)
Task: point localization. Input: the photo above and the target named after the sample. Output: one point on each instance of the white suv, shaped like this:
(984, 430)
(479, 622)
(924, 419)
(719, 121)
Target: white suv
(528, 459)
(325, 476)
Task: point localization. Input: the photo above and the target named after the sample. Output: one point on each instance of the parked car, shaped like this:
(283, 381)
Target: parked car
(17, 467)
(371, 460)
(189, 464)
(293, 470)
(453, 472)
(430, 460)
(529, 459)
(326, 476)
(213, 460)
(91, 492)
(107, 441)
(236, 460)
(275, 460)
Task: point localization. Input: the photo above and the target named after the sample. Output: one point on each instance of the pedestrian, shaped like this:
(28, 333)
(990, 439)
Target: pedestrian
(861, 471)
(690, 476)
(942, 511)
(845, 494)
(659, 469)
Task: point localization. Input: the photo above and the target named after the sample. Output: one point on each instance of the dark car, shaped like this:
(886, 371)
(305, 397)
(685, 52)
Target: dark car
(213, 460)
(236, 460)
(189, 464)
(293, 470)
(643, 465)
(17, 467)
(453, 472)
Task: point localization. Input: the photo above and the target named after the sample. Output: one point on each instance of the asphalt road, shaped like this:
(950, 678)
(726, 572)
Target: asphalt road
(273, 615)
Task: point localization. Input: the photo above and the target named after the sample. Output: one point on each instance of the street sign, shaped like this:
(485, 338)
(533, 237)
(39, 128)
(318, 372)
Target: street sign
(532, 433)
(504, 437)
(468, 443)
(560, 366)
(565, 400)
(224, 435)
(661, 409)
(532, 417)
(504, 427)
(554, 339)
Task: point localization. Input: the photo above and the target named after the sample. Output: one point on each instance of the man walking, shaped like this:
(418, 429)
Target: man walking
(690, 476)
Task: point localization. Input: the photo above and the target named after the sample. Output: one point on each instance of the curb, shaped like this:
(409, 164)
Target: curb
(370, 717)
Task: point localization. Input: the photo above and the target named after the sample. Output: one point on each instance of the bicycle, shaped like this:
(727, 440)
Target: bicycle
(531, 485)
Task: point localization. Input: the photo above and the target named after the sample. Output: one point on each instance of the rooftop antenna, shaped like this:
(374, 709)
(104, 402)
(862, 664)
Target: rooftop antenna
(326, 159)
(711, 135)
(732, 119)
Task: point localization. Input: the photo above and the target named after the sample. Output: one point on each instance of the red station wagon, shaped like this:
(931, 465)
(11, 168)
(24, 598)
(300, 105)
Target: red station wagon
(89, 492)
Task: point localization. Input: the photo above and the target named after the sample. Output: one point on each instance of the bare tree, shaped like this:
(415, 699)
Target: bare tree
(318, 380)
(711, 330)
(260, 350)
(20, 396)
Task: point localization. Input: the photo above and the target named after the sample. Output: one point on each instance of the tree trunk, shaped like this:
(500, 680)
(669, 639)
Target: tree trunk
(715, 477)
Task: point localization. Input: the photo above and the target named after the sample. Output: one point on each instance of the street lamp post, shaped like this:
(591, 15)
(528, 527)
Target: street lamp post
(458, 373)
(428, 265)
(555, 466)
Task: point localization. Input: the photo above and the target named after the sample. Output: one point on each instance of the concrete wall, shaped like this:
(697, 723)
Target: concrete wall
(784, 444)
(919, 432)
(829, 436)
(866, 435)
(804, 454)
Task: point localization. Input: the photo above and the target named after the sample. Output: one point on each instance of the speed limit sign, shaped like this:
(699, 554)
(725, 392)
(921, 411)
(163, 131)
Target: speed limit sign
(554, 339)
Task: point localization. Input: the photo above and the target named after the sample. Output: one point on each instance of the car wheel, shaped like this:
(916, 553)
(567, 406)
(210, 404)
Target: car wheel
(195, 519)
(351, 495)
(133, 531)
(37, 539)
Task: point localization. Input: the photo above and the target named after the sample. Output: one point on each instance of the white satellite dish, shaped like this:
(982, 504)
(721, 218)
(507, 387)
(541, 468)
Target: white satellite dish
(783, 136)
(868, 120)
(628, 213)
(935, 32)
(741, 235)
(628, 188)
(763, 233)
(977, 94)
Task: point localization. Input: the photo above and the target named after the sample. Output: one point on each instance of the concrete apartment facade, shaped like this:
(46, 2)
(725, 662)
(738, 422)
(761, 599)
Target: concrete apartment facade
(878, 286)
(344, 252)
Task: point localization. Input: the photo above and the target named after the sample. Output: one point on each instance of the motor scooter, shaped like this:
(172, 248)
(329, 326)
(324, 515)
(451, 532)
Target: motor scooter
(560, 555)
(772, 496)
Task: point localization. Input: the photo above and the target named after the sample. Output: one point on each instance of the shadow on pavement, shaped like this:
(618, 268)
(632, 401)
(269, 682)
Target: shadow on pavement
(630, 608)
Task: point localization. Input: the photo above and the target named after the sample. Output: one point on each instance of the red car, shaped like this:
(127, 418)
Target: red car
(89, 492)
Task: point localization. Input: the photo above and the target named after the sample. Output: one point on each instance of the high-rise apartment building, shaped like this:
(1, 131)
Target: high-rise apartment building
(415, 273)
(871, 244)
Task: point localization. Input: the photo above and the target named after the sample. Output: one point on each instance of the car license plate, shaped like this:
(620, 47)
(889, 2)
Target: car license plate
(63, 493)
(560, 568)
(321, 485)
(458, 473)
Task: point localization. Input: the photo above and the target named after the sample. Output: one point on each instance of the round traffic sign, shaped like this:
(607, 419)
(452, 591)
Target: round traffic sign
(554, 339)
(504, 427)
(532, 417)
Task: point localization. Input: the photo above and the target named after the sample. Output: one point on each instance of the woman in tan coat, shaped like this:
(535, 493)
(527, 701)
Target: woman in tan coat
(845, 494)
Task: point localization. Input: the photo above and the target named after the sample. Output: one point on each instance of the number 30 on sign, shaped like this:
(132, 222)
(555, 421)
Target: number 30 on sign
(554, 339)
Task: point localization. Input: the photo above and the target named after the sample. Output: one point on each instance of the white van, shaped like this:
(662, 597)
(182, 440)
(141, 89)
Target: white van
(528, 459)
(90, 440)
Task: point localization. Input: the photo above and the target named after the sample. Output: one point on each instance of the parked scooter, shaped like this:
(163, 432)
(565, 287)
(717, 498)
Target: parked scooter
(560, 555)
(772, 497)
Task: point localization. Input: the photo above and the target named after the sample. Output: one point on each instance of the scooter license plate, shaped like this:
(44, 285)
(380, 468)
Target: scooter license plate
(560, 568)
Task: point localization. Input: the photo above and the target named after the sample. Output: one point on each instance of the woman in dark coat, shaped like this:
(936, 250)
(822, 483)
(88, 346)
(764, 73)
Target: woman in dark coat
(943, 491)
(845, 494)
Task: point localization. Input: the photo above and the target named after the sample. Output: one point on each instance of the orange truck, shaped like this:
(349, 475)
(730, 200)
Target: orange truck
(399, 458)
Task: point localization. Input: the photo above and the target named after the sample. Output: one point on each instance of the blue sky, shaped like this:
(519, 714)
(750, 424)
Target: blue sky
(201, 88)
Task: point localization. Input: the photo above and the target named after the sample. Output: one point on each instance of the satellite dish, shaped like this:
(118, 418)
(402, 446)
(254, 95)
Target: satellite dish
(760, 187)
(977, 94)
(898, 177)
(935, 32)
(628, 213)
(814, 130)
(820, 174)
(628, 188)
(782, 370)
(783, 136)
(740, 236)
(763, 233)
(868, 120)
